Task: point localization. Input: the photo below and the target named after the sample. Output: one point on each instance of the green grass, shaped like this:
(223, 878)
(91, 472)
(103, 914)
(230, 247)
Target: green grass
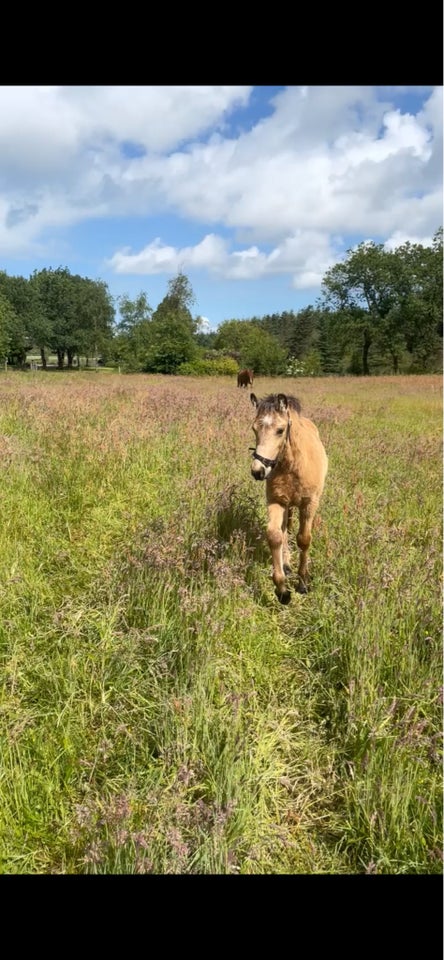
(159, 710)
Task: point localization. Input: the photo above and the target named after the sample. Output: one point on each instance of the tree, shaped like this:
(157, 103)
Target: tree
(296, 333)
(41, 326)
(179, 299)
(434, 289)
(15, 290)
(133, 338)
(361, 293)
(230, 336)
(92, 330)
(303, 333)
(419, 308)
(206, 340)
(56, 296)
(280, 325)
(74, 315)
(8, 327)
(252, 346)
(133, 312)
(389, 298)
(172, 344)
(172, 329)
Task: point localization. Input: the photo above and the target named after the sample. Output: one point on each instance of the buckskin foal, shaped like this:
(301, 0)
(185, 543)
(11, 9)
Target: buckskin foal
(290, 456)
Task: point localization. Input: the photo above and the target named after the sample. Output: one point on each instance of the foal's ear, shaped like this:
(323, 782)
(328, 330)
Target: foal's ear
(253, 399)
(282, 401)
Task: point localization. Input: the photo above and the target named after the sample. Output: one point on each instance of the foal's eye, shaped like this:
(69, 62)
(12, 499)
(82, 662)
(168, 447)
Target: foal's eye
(280, 432)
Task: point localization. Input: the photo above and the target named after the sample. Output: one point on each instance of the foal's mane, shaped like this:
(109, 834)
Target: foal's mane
(270, 403)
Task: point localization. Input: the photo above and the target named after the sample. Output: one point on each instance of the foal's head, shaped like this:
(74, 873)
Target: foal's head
(271, 426)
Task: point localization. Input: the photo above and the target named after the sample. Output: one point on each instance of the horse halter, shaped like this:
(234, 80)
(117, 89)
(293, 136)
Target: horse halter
(272, 463)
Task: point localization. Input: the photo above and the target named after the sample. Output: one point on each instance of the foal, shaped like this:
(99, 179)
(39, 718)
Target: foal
(290, 456)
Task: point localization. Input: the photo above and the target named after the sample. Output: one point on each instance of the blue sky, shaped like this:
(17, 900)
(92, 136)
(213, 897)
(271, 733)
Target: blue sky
(252, 191)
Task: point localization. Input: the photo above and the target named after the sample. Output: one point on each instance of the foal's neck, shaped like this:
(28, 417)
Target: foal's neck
(292, 447)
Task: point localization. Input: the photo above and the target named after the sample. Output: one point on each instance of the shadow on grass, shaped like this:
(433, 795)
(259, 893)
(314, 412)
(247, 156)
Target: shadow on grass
(239, 516)
(229, 543)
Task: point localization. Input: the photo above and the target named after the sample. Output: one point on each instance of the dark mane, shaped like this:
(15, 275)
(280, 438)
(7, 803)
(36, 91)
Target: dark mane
(271, 403)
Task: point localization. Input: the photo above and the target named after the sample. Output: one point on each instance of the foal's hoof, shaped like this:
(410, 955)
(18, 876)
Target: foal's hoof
(284, 597)
(287, 570)
(301, 587)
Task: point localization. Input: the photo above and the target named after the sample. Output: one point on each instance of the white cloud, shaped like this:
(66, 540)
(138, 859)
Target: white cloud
(204, 325)
(333, 160)
(62, 149)
(398, 238)
(306, 255)
(61, 122)
(159, 257)
(327, 161)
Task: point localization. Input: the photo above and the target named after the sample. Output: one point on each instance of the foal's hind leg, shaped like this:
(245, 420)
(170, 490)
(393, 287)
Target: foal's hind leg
(276, 538)
(307, 512)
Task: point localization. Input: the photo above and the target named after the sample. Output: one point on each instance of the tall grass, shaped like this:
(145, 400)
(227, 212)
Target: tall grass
(160, 712)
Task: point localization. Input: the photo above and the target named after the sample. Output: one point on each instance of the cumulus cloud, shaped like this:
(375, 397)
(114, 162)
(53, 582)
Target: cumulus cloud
(159, 257)
(65, 149)
(398, 238)
(306, 255)
(60, 123)
(204, 325)
(347, 176)
(327, 162)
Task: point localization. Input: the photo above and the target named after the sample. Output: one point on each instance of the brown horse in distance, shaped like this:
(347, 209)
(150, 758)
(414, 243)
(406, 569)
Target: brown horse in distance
(290, 456)
(245, 378)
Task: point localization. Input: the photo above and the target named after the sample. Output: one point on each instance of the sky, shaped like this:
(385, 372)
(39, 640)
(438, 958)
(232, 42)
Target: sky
(253, 192)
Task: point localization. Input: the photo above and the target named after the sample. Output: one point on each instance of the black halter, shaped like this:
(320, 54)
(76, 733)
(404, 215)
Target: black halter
(266, 462)
(271, 463)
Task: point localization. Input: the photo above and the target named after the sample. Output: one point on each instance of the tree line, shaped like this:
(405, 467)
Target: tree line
(379, 311)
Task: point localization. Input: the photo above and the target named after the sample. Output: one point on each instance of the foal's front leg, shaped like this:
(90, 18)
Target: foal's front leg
(287, 526)
(277, 536)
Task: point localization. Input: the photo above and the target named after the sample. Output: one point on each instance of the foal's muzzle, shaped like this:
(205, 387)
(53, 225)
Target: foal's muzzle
(259, 472)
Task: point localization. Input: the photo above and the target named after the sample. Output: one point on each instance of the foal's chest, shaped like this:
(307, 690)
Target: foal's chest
(286, 489)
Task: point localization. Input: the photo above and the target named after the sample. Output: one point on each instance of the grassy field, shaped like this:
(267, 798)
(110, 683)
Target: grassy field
(160, 712)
